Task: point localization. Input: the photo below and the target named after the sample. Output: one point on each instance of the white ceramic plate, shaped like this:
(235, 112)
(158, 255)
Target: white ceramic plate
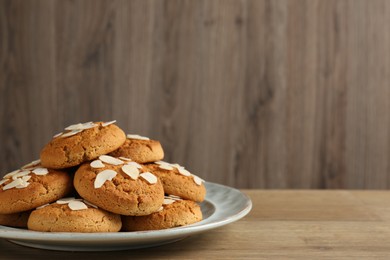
(222, 206)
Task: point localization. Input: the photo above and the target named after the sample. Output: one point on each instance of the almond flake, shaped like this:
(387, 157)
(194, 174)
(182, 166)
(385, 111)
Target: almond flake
(183, 171)
(57, 135)
(168, 201)
(9, 175)
(20, 174)
(125, 159)
(165, 167)
(65, 200)
(138, 137)
(131, 170)
(73, 132)
(77, 205)
(74, 127)
(90, 204)
(110, 160)
(139, 166)
(88, 125)
(161, 162)
(3, 181)
(103, 176)
(32, 164)
(149, 177)
(40, 207)
(108, 123)
(174, 197)
(13, 184)
(40, 171)
(97, 164)
(160, 209)
(197, 180)
(26, 178)
(24, 184)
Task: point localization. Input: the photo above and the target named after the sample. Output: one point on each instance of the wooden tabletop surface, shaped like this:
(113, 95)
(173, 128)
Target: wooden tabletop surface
(283, 224)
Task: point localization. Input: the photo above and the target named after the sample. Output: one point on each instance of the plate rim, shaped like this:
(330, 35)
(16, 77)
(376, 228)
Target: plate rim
(17, 234)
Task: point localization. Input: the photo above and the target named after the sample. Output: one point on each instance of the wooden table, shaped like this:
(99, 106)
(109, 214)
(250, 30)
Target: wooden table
(282, 224)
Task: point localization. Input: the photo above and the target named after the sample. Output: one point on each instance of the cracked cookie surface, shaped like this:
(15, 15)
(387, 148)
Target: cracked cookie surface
(60, 218)
(63, 152)
(177, 184)
(141, 151)
(42, 189)
(176, 214)
(122, 195)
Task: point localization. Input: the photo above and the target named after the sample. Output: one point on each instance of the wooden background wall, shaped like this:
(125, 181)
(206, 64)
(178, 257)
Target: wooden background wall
(251, 93)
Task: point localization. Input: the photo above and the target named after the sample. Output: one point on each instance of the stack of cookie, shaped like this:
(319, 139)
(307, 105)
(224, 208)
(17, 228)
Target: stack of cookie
(93, 178)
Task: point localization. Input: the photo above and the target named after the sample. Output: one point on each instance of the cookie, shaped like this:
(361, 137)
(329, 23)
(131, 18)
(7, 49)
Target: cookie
(140, 149)
(71, 215)
(15, 219)
(80, 143)
(120, 186)
(174, 213)
(178, 181)
(31, 187)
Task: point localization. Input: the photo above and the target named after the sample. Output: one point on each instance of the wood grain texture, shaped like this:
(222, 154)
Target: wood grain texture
(283, 224)
(251, 93)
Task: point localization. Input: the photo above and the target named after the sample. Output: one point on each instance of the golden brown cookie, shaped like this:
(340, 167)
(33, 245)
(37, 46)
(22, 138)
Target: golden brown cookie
(31, 187)
(140, 149)
(119, 186)
(15, 219)
(73, 216)
(178, 181)
(80, 143)
(174, 213)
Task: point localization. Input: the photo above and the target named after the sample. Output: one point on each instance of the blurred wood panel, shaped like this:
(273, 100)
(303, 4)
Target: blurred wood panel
(252, 94)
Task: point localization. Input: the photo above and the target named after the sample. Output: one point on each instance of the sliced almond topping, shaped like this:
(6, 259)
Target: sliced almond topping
(65, 200)
(149, 177)
(90, 204)
(57, 135)
(40, 171)
(20, 174)
(139, 137)
(87, 125)
(110, 160)
(161, 162)
(32, 164)
(3, 181)
(165, 167)
(13, 184)
(73, 132)
(160, 209)
(131, 170)
(125, 159)
(40, 207)
(9, 175)
(74, 127)
(97, 164)
(24, 184)
(139, 166)
(183, 171)
(108, 123)
(81, 126)
(168, 201)
(197, 180)
(77, 205)
(103, 176)
(26, 178)
(174, 197)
